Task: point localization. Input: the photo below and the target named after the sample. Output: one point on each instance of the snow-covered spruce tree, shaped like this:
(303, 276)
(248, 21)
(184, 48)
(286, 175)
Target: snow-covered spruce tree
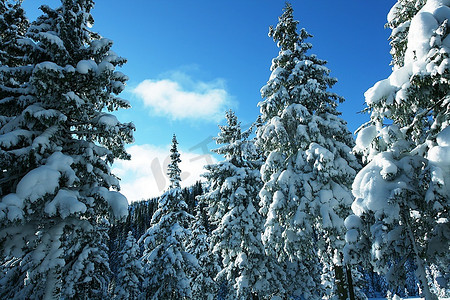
(173, 170)
(13, 26)
(403, 193)
(399, 20)
(59, 142)
(13, 74)
(233, 207)
(309, 167)
(203, 285)
(168, 266)
(131, 272)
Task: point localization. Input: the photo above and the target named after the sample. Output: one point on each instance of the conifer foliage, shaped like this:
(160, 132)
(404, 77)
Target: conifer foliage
(281, 217)
(204, 287)
(168, 266)
(59, 142)
(401, 211)
(130, 272)
(13, 26)
(233, 204)
(309, 167)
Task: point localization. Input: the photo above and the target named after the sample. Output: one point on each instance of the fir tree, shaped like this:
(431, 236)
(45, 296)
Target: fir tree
(233, 206)
(130, 272)
(168, 266)
(13, 26)
(204, 286)
(13, 77)
(173, 171)
(309, 167)
(399, 20)
(60, 142)
(402, 206)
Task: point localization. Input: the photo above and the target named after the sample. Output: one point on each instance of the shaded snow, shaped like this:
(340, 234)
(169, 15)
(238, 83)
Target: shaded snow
(421, 39)
(84, 66)
(65, 203)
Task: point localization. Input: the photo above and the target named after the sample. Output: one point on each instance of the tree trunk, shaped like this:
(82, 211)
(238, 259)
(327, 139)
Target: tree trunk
(420, 272)
(340, 282)
(351, 291)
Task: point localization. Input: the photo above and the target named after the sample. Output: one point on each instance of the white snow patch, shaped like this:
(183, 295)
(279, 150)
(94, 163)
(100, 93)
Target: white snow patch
(84, 66)
(352, 221)
(372, 188)
(65, 204)
(108, 120)
(365, 137)
(422, 27)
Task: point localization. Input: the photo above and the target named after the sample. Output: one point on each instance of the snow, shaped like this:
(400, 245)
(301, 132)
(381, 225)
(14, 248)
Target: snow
(65, 204)
(422, 27)
(97, 45)
(443, 138)
(38, 182)
(11, 207)
(12, 138)
(326, 219)
(62, 162)
(386, 88)
(117, 202)
(352, 221)
(410, 298)
(86, 66)
(325, 196)
(442, 13)
(393, 11)
(420, 40)
(52, 38)
(105, 66)
(108, 120)
(50, 113)
(439, 158)
(373, 189)
(351, 236)
(278, 200)
(47, 66)
(42, 141)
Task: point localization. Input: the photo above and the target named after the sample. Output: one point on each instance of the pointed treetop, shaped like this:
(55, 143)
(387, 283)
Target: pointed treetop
(285, 33)
(297, 77)
(234, 141)
(13, 26)
(231, 132)
(173, 171)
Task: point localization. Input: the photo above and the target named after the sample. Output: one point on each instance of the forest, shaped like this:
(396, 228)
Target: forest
(298, 208)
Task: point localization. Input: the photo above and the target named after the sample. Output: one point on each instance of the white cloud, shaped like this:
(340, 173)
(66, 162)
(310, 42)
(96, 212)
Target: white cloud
(144, 176)
(180, 97)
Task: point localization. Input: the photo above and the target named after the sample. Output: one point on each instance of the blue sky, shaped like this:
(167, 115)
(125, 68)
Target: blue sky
(189, 61)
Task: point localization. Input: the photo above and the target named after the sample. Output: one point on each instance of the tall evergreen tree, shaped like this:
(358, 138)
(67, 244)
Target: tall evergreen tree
(309, 168)
(173, 170)
(204, 287)
(168, 266)
(399, 20)
(233, 206)
(130, 272)
(402, 208)
(13, 75)
(60, 142)
(13, 26)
